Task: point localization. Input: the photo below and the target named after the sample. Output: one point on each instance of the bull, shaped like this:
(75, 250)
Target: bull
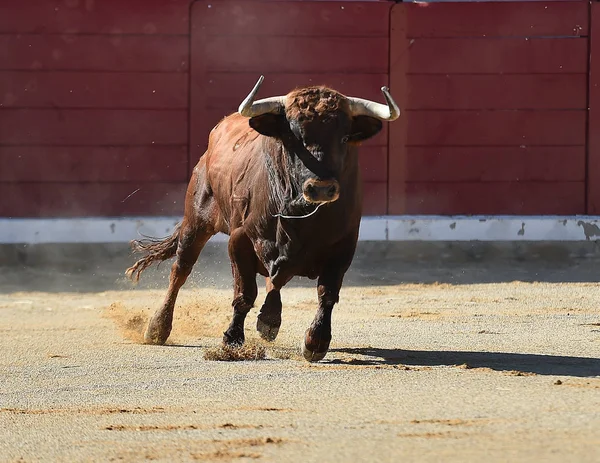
(281, 177)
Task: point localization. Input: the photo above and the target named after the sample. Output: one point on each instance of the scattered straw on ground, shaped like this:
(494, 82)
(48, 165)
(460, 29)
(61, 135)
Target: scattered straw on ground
(248, 351)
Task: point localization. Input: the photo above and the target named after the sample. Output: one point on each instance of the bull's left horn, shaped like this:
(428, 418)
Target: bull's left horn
(389, 112)
(251, 108)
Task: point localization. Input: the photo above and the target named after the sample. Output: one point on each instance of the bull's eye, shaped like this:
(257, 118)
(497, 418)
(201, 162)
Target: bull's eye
(345, 139)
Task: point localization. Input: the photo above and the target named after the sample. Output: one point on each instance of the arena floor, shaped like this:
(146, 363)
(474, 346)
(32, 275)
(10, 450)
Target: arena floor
(480, 362)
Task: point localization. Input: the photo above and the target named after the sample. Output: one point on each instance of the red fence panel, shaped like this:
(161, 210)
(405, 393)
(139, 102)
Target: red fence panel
(342, 44)
(81, 199)
(102, 99)
(140, 17)
(593, 173)
(494, 99)
(93, 107)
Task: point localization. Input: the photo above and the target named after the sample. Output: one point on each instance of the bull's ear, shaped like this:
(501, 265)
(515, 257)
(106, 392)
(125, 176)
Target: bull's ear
(363, 128)
(269, 125)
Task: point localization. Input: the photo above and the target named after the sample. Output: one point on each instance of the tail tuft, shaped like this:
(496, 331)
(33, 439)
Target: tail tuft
(156, 250)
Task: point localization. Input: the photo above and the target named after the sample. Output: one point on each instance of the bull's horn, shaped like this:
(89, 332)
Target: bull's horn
(389, 112)
(251, 108)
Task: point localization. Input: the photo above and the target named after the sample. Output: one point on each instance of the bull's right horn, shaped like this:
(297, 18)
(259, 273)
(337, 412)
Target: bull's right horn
(251, 108)
(388, 112)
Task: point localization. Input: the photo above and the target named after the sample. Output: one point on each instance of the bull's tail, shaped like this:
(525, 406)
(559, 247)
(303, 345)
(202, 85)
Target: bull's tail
(156, 251)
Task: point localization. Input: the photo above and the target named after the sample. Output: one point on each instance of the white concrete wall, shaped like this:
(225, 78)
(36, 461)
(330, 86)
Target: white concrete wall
(386, 228)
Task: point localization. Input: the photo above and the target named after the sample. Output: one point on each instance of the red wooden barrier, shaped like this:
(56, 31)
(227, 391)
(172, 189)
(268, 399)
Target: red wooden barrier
(593, 172)
(341, 44)
(101, 99)
(93, 106)
(114, 17)
(494, 97)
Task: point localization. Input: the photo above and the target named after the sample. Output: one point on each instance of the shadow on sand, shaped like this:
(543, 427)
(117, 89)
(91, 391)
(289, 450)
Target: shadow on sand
(499, 361)
(94, 268)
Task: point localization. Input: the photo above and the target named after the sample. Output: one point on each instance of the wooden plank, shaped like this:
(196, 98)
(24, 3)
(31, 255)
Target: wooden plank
(227, 90)
(295, 54)
(91, 199)
(25, 200)
(497, 19)
(593, 184)
(398, 131)
(497, 91)
(94, 53)
(93, 164)
(503, 198)
(374, 199)
(127, 90)
(487, 163)
(92, 127)
(496, 128)
(94, 17)
(493, 56)
(373, 163)
(285, 18)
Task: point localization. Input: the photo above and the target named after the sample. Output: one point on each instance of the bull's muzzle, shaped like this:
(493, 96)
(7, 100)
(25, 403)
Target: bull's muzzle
(321, 191)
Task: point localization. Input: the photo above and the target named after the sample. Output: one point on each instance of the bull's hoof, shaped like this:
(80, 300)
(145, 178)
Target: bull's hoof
(312, 356)
(267, 332)
(233, 339)
(156, 335)
(314, 351)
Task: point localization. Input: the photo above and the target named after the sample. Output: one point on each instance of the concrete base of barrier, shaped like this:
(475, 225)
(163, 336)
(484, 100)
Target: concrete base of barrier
(385, 228)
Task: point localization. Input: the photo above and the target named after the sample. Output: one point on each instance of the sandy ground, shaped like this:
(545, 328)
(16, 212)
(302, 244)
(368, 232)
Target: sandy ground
(502, 371)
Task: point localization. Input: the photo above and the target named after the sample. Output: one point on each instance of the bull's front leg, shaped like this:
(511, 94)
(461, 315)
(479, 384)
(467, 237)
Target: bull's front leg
(318, 335)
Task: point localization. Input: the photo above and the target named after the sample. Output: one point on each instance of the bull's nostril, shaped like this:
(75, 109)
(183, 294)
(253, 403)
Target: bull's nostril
(310, 189)
(332, 191)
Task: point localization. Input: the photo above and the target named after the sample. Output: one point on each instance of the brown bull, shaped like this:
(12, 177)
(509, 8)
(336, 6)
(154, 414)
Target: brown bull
(281, 178)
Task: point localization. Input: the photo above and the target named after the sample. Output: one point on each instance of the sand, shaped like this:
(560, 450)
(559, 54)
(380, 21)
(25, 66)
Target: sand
(504, 371)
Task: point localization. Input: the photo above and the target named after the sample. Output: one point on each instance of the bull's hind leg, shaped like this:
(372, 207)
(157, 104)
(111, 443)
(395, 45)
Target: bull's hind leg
(243, 266)
(269, 318)
(192, 238)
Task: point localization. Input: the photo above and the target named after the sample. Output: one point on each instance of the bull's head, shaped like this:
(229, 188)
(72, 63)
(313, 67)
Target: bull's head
(318, 125)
